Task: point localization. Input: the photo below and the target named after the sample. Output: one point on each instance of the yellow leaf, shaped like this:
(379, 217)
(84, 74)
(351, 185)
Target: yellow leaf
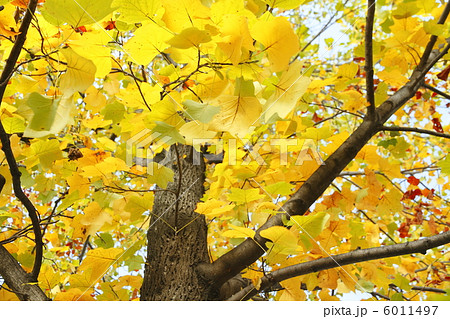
(390, 202)
(241, 196)
(190, 37)
(235, 37)
(393, 77)
(288, 90)
(94, 218)
(142, 48)
(292, 290)
(279, 40)
(239, 232)
(48, 278)
(284, 4)
(237, 115)
(73, 294)
(80, 73)
(94, 47)
(95, 122)
(280, 236)
(99, 260)
(136, 11)
(196, 133)
(214, 208)
(7, 22)
(353, 100)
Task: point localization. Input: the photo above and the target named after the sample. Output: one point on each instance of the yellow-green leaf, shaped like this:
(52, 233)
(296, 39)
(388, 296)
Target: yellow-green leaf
(239, 232)
(76, 13)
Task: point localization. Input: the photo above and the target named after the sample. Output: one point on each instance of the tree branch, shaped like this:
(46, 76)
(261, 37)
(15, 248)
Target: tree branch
(413, 129)
(429, 87)
(6, 146)
(17, 279)
(360, 255)
(369, 59)
(429, 48)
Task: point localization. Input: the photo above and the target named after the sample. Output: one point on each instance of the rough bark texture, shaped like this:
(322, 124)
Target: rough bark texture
(17, 279)
(177, 240)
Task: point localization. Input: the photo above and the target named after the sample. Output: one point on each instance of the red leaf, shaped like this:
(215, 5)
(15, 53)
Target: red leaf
(437, 125)
(418, 95)
(359, 59)
(81, 29)
(404, 230)
(412, 193)
(443, 75)
(413, 181)
(110, 25)
(316, 118)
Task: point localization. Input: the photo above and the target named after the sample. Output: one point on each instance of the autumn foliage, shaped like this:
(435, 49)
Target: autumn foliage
(100, 88)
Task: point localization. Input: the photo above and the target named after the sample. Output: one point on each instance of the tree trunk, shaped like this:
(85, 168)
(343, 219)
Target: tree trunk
(177, 235)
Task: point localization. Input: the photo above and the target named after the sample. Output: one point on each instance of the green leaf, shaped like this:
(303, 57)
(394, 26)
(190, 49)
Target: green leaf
(76, 13)
(200, 112)
(445, 165)
(114, 112)
(159, 175)
(104, 240)
(280, 188)
(168, 132)
(44, 109)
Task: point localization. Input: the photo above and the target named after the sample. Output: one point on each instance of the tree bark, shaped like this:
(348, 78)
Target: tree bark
(177, 235)
(17, 279)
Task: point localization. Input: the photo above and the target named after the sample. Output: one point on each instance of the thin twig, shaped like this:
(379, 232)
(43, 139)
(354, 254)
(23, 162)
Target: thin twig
(429, 87)
(369, 59)
(413, 129)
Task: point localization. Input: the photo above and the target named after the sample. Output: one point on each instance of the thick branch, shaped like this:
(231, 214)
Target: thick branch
(6, 146)
(369, 59)
(17, 279)
(413, 129)
(360, 255)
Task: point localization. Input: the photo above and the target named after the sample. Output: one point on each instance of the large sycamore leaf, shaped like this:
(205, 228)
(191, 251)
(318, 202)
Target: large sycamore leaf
(279, 40)
(190, 37)
(136, 11)
(98, 261)
(235, 37)
(148, 41)
(200, 112)
(76, 13)
(288, 90)
(80, 73)
(237, 115)
(46, 115)
(310, 226)
(159, 175)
